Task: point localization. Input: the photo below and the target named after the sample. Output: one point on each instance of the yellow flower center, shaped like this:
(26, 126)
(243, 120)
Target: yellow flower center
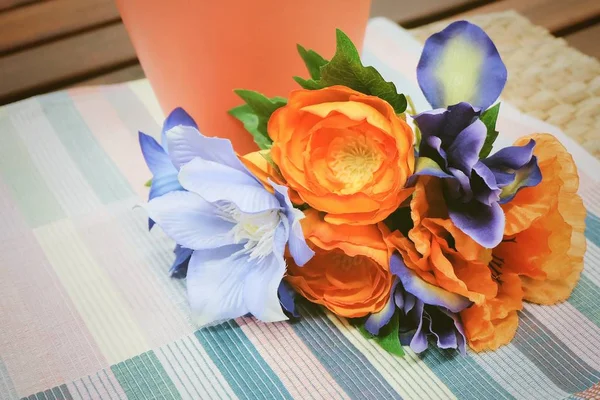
(353, 161)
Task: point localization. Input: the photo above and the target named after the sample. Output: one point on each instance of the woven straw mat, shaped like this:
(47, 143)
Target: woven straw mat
(547, 79)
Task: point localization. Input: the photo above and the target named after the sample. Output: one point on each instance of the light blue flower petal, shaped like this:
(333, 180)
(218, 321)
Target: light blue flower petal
(186, 143)
(155, 156)
(189, 220)
(378, 320)
(177, 117)
(459, 64)
(425, 291)
(299, 250)
(215, 284)
(217, 183)
(163, 184)
(261, 286)
(262, 282)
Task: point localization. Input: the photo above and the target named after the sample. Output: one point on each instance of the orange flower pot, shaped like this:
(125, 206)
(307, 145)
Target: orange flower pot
(195, 52)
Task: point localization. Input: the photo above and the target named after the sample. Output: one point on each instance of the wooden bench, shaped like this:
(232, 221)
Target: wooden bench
(53, 44)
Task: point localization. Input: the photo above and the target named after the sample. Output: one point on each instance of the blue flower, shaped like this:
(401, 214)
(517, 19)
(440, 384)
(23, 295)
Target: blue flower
(461, 74)
(474, 189)
(236, 229)
(424, 310)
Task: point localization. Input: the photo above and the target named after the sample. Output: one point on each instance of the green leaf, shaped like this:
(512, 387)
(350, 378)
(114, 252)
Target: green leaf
(365, 333)
(255, 114)
(489, 118)
(313, 62)
(388, 337)
(266, 154)
(148, 183)
(308, 83)
(345, 68)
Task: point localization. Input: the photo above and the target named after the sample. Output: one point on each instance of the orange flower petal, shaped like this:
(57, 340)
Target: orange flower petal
(547, 224)
(494, 323)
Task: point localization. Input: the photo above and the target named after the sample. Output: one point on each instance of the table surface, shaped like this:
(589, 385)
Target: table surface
(54, 44)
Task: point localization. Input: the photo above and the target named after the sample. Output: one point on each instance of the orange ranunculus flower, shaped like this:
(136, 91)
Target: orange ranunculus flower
(544, 235)
(349, 273)
(439, 252)
(344, 153)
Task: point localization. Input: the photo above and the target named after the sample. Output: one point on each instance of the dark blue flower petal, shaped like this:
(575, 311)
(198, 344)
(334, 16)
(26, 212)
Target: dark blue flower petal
(156, 158)
(442, 328)
(463, 153)
(431, 123)
(503, 178)
(459, 331)
(418, 342)
(527, 176)
(483, 184)
(446, 123)
(424, 291)
(431, 147)
(287, 298)
(378, 320)
(512, 157)
(461, 63)
(483, 223)
(177, 117)
(459, 188)
(180, 264)
(426, 166)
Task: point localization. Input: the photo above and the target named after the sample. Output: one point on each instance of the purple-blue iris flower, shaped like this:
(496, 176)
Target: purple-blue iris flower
(235, 229)
(461, 73)
(474, 189)
(426, 311)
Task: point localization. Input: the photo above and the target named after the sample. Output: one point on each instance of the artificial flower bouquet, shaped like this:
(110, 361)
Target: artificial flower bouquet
(408, 224)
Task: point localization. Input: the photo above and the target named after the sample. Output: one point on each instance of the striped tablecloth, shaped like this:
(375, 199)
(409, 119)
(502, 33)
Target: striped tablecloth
(87, 309)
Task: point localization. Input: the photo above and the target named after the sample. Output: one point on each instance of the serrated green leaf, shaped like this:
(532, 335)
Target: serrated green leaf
(345, 68)
(308, 83)
(255, 114)
(388, 337)
(148, 183)
(313, 62)
(252, 124)
(489, 118)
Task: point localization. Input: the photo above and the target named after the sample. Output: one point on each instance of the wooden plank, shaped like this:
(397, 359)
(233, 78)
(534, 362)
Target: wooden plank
(7, 4)
(46, 20)
(405, 12)
(554, 15)
(586, 40)
(65, 61)
(126, 74)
